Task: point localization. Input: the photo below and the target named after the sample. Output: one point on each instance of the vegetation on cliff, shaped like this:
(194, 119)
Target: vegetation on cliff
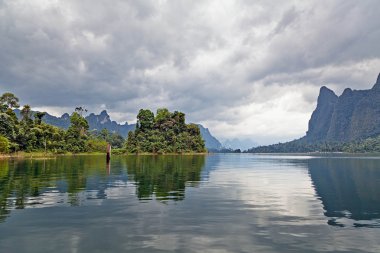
(166, 132)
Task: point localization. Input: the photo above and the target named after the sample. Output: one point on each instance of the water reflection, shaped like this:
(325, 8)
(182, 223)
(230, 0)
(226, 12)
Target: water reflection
(165, 177)
(75, 181)
(349, 189)
(32, 183)
(229, 203)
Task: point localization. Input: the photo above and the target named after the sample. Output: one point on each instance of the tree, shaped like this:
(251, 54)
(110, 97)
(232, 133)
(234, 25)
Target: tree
(38, 117)
(78, 124)
(76, 134)
(80, 110)
(7, 126)
(145, 120)
(9, 100)
(26, 113)
(162, 115)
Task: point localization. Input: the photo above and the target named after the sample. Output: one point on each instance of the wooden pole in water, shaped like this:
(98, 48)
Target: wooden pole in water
(108, 152)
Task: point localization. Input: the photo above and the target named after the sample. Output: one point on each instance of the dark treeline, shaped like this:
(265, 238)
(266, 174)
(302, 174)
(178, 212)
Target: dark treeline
(29, 133)
(369, 145)
(166, 132)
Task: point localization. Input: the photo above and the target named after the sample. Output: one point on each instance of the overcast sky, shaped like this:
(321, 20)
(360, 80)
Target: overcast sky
(247, 69)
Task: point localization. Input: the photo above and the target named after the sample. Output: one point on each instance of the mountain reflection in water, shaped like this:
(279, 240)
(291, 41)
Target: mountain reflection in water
(349, 189)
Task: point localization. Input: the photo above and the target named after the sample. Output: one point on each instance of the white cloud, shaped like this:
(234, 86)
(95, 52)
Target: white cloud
(241, 68)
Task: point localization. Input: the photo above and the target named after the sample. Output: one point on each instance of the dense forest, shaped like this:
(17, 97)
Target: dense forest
(166, 132)
(29, 133)
(368, 145)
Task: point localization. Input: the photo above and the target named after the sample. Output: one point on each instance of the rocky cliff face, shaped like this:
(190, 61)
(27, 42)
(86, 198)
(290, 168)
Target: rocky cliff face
(353, 115)
(319, 123)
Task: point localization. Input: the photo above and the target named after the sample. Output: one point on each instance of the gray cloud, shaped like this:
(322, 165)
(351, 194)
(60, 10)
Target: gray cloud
(242, 68)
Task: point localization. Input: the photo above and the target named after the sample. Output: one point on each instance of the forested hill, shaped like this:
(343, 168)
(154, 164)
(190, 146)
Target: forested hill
(349, 122)
(103, 120)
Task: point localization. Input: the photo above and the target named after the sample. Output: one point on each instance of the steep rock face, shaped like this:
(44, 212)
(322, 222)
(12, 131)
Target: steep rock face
(319, 123)
(353, 115)
(356, 116)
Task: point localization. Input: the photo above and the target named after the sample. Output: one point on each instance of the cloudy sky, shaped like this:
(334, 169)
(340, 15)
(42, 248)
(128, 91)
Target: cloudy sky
(247, 69)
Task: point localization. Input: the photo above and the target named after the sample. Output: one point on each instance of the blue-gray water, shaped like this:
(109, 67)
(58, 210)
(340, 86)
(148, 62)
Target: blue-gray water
(214, 203)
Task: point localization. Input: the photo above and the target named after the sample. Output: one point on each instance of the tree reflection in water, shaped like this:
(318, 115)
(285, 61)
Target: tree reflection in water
(165, 177)
(72, 180)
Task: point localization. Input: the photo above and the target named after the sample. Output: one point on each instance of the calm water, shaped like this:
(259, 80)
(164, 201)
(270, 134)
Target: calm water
(215, 203)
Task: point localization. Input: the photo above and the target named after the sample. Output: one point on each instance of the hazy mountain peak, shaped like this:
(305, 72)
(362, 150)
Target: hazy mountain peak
(104, 113)
(65, 116)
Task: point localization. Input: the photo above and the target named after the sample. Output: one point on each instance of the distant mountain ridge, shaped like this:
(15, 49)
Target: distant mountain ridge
(103, 120)
(236, 143)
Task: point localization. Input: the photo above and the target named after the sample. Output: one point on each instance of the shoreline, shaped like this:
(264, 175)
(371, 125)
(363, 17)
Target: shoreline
(31, 155)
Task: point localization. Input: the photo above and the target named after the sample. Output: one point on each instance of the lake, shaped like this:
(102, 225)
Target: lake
(191, 203)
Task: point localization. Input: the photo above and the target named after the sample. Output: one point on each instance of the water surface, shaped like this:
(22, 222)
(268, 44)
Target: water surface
(214, 203)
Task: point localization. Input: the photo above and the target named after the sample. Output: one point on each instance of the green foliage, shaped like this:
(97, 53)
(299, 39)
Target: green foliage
(369, 145)
(8, 101)
(165, 133)
(76, 136)
(115, 139)
(119, 151)
(96, 145)
(145, 120)
(4, 144)
(26, 114)
(79, 125)
(38, 117)
(7, 126)
(34, 135)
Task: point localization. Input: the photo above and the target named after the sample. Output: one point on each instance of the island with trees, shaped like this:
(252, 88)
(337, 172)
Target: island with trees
(166, 132)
